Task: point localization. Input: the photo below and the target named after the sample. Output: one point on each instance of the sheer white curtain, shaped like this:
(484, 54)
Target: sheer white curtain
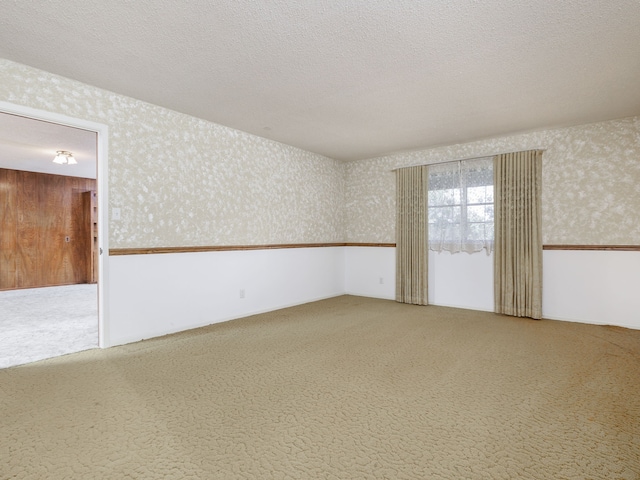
(461, 206)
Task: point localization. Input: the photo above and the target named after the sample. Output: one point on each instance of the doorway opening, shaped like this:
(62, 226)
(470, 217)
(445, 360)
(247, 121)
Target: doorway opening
(79, 258)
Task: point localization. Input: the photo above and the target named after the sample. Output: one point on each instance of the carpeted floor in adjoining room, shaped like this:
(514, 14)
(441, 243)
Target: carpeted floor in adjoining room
(345, 388)
(39, 323)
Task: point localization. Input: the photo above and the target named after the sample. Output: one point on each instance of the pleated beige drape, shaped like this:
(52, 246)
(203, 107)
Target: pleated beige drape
(518, 234)
(411, 235)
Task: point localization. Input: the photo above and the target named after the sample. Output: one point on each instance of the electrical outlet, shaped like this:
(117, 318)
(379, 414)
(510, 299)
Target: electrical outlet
(381, 281)
(115, 214)
(242, 293)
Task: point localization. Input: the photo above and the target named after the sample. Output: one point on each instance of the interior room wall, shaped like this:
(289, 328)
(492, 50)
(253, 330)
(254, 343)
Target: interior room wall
(590, 196)
(180, 291)
(179, 181)
(590, 192)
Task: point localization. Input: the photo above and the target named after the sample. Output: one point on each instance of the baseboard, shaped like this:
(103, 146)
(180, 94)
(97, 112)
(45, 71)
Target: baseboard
(462, 307)
(586, 322)
(381, 297)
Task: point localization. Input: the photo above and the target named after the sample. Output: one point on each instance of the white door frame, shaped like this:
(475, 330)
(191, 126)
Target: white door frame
(102, 131)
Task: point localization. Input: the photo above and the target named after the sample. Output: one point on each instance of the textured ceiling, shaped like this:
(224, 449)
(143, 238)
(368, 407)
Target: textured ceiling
(347, 79)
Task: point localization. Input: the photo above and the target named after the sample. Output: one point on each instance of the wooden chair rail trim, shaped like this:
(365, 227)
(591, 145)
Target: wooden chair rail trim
(229, 248)
(365, 244)
(621, 248)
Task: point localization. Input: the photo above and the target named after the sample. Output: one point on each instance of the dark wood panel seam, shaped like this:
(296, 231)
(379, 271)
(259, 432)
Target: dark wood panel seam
(229, 248)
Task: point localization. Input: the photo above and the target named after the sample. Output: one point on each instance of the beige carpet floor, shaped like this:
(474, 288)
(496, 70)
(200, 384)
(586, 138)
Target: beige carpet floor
(345, 388)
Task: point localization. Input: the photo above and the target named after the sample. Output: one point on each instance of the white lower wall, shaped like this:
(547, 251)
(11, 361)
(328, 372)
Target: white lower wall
(153, 295)
(601, 287)
(461, 280)
(370, 272)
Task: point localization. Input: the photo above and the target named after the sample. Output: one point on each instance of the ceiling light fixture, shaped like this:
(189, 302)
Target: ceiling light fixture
(64, 158)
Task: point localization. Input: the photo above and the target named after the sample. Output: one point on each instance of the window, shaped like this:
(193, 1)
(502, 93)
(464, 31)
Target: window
(460, 206)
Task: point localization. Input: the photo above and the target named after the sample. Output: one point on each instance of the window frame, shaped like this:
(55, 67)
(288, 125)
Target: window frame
(464, 225)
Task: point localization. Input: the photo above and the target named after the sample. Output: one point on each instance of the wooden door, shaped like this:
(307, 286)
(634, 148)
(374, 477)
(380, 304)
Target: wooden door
(45, 241)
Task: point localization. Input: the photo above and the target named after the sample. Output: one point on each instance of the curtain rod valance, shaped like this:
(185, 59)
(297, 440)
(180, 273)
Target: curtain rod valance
(478, 157)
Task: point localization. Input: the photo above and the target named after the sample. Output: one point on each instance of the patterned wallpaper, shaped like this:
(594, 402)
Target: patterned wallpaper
(591, 183)
(235, 188)
(230, 188)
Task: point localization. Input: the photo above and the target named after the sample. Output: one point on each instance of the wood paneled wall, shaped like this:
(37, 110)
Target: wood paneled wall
(44, 231)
